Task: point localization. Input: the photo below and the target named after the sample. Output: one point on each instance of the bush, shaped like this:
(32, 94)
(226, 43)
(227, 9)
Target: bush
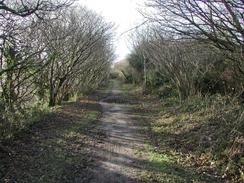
(166, 91)
(13, 123)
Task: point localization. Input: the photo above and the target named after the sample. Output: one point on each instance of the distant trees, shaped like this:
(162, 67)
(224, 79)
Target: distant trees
(196, 45)
(49, 51)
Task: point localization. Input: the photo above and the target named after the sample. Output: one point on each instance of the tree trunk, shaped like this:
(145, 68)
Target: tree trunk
(53, 97)
(52, 101)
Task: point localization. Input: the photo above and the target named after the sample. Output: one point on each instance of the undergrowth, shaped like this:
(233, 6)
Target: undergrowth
(205, 133)
(209, 129)
(14, 123)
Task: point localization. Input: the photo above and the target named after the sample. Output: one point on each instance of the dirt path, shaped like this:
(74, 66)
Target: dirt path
(95, 142)
(116, 154)
(72, 145)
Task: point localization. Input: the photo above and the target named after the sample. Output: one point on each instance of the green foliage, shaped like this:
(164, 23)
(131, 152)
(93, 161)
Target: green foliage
(136, 62)
(13, 124)
(153, 77)
(166, 91)
(188, 66)
(222, 78)
(114, 75)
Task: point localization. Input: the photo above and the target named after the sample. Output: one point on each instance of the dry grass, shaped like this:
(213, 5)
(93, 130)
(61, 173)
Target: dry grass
(202, 133)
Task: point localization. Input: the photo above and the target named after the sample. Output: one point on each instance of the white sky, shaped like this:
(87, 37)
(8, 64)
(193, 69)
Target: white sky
(123, 13)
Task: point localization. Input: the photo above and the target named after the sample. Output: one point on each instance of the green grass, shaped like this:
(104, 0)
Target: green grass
(163, 167)
(203, 133)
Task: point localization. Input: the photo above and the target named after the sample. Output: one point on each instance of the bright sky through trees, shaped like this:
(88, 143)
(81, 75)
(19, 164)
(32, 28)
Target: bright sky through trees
(125, 15)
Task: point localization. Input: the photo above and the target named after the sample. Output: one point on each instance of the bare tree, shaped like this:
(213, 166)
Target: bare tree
(21, 55)
(182, 62)
(220, 21)
(26, 8)
(16, 17)
(77, 40)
